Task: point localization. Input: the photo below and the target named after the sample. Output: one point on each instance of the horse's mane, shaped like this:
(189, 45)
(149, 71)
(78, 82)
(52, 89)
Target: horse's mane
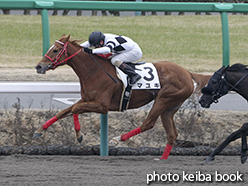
(237, 67)
(75, 42)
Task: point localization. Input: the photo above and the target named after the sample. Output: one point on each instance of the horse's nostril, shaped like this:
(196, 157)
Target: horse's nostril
(38, 67)
(202, 103)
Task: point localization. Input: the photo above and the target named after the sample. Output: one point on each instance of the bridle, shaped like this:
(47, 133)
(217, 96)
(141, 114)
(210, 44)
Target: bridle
(55, 61)
(237, 83)
(222, 88)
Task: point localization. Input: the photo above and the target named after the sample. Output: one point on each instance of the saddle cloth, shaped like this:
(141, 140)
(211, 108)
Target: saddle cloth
(149, 75)
(149, 80)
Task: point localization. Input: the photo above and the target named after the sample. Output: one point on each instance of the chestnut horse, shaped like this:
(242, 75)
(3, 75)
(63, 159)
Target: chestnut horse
(100, 94)
(230, 78)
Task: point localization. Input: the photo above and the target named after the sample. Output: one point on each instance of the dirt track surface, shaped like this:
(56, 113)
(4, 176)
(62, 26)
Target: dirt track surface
(114, 170)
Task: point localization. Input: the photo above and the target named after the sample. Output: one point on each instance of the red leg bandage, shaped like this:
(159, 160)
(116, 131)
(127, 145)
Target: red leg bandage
(49, 122)
(166, 152)
(76, 122)
(128, 135)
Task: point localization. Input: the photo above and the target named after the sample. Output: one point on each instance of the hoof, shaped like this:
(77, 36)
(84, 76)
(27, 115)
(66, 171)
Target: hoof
(159, 159)
(37, 135)
(243, 159)
(210, 158)
(115, 141)
(80, 139)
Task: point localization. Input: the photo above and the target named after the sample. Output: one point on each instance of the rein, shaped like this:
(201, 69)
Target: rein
(217, 92)
(55, 61)
(103, 68)
(237, 83)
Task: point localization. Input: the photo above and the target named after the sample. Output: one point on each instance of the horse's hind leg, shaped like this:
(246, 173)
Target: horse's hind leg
(168, 123)
(171, 131)
(167, 117)
(147, 124)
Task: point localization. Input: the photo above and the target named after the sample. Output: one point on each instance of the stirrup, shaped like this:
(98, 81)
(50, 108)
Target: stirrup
(134, 79)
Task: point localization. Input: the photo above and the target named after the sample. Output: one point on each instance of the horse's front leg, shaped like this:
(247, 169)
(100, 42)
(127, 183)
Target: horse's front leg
(77, 128)
(91, 106)
(77, 108)
(232, 137)
(244, 128)
(64, 113)
(48, 123)
(243, 148)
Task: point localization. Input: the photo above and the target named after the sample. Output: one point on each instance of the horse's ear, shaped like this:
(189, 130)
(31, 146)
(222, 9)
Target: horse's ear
(62, 36)
(224, 69)
(67, 37)
(227, 67)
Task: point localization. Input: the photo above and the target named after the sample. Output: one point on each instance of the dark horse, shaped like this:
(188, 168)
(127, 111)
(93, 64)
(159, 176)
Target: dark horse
(100, 94)
(233, 78)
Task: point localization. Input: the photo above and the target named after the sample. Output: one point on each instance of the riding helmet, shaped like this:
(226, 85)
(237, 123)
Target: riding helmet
(95, 38)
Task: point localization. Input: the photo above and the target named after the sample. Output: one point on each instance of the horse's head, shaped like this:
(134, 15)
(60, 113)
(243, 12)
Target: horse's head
(55, 56)
(215, 89)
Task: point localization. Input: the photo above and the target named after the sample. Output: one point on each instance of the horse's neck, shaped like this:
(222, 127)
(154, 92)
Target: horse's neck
(88, 67)
(83, 67)
(241, 87)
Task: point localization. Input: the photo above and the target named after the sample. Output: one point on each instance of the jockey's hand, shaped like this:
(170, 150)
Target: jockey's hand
(87, 50)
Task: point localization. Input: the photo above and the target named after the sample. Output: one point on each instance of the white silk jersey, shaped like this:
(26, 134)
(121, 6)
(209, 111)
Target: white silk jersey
(115, 44)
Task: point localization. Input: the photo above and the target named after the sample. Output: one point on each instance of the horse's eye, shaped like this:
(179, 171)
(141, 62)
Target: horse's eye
(55, 51)
(214, 81)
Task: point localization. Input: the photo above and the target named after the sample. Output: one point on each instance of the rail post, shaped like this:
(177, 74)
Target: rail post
(224, 8)
(138, 13)
(225, 39)
(45, 30)
(104, 135)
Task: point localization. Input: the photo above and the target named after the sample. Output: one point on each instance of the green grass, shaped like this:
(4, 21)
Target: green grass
(194, 42)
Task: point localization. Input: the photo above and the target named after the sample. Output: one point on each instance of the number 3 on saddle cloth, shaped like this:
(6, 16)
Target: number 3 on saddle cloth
(149, 80)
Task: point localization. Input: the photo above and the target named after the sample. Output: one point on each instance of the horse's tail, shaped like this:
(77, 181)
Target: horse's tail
(201, 80)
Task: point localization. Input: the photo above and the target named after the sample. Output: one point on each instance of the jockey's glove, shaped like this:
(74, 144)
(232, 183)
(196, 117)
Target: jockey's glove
(87, 50)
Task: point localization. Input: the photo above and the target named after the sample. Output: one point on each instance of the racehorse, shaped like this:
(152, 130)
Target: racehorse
(100, 94)
(230, 78)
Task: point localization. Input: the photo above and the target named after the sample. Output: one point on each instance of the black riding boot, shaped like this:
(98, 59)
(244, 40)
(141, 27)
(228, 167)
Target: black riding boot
(134, 77)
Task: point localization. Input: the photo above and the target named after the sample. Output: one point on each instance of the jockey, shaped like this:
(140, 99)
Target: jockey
(123, 50)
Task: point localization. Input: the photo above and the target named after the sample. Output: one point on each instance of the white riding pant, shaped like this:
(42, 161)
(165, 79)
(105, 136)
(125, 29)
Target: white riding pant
(131, 56)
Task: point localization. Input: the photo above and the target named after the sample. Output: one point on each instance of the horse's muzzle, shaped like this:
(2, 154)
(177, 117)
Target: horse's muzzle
(42, 69)
(204, 104)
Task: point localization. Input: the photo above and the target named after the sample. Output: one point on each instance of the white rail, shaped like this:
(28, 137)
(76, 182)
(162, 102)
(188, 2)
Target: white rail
(43, 88)
(40, 87)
